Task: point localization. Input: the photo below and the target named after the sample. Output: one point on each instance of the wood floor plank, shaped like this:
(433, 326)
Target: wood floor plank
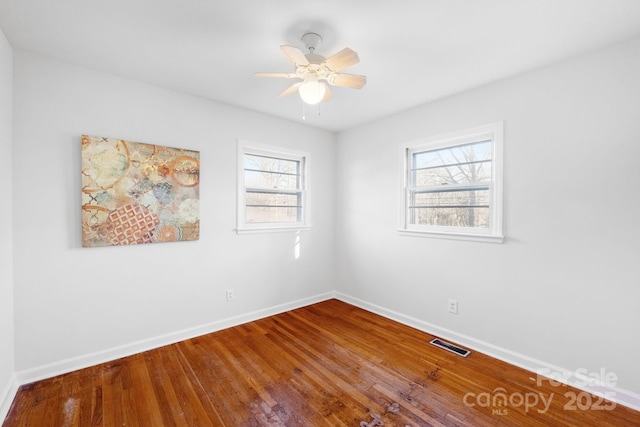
(112, 396)
(328, 364)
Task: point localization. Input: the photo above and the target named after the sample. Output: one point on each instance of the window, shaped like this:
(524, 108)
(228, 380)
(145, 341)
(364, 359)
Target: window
(452, 185)
(272, 188)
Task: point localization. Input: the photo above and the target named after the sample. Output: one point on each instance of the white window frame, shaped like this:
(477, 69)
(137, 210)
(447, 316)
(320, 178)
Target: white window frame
(493, 234)
(251, 148)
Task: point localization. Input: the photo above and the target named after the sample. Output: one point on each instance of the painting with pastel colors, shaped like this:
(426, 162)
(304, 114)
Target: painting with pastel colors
(134, 193)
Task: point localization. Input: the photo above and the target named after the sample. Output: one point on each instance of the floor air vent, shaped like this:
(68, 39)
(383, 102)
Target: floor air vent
(448, 346)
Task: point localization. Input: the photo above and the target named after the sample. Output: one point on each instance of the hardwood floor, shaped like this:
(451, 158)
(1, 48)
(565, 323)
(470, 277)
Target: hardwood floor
(328, 364)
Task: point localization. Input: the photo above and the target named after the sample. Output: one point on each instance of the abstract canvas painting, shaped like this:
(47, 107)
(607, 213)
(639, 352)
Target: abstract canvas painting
(134, 193)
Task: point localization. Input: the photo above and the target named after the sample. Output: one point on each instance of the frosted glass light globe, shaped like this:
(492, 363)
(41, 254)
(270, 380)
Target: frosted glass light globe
(312, 91)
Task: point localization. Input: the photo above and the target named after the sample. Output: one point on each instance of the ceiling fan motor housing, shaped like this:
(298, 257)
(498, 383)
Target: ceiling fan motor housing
(311, 41)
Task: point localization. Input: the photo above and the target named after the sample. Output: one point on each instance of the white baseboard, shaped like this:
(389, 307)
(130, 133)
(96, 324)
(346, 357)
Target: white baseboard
(6, 398)
(615, 394)
(84, 361)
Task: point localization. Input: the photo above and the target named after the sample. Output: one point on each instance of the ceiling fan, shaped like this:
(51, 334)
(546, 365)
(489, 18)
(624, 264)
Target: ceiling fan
(317, 72)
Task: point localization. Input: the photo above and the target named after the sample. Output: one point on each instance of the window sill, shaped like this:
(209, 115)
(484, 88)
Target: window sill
(273, 229)
(483, 238)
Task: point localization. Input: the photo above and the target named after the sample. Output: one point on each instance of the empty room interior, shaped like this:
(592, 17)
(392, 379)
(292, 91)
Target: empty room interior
(327, 188)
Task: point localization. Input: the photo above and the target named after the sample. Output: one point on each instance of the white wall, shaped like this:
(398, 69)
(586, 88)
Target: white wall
(6, 228)
(566, 283)
(72, 302)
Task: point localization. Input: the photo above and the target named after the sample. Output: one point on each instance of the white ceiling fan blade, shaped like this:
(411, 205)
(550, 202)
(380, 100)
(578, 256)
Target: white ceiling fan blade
(343, 59)
(295, 55)
(291, 89)
(352, 81)
(279, 75)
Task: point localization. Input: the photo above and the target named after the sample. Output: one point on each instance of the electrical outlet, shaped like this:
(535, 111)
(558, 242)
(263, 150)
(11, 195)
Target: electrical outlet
(229, 294)
(453, 306)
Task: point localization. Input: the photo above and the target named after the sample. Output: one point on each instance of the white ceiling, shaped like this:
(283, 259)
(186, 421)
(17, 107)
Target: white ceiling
(412, 51)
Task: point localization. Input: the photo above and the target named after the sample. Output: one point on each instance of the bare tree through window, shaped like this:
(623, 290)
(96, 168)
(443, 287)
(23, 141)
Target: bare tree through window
(451, 186)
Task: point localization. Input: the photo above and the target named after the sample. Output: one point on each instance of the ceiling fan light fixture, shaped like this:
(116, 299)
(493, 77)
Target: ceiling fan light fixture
(312, 91)
(316, 73)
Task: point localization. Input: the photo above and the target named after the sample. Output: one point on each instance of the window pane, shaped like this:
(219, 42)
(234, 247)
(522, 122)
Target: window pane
(272, 164)
(464, 208)
(458, 174)
(270, 180)
(451, 155)
(271, 172)
(272, 199)
(468, 163)
(272, 214)
(451, 217)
